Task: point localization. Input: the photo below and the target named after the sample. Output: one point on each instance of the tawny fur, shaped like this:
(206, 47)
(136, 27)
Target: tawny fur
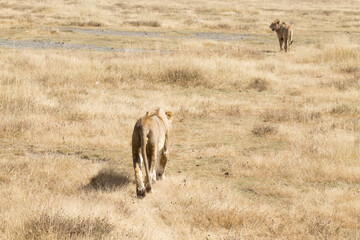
(150, 143)
(284, 33)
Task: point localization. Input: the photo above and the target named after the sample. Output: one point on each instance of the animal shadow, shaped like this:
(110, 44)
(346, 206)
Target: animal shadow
(108, 180)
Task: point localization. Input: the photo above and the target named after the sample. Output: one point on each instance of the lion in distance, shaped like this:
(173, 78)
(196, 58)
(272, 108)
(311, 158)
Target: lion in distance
(150, 145)
(284, 33)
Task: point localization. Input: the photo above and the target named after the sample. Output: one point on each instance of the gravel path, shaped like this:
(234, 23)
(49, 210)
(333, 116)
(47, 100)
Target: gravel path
(36, 44)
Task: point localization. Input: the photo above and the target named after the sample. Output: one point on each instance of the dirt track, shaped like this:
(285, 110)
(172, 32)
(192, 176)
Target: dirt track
(36, 44)
(197, 35)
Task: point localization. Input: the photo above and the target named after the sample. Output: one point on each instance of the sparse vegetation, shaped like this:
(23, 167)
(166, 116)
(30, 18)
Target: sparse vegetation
(144, 23)
(265, 145)
(287, 115)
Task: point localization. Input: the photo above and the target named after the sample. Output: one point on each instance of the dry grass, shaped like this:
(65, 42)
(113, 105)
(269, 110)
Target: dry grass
(250, 164)
(58, 226)
(265, 145)
(235, 16)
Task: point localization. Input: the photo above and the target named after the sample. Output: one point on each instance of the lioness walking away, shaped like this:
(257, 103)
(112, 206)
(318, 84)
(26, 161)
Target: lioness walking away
(284, 33)
(150, 144)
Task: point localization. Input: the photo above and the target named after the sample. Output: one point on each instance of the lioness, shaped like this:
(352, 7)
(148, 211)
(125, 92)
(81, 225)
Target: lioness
(284, 33)
(149, 144)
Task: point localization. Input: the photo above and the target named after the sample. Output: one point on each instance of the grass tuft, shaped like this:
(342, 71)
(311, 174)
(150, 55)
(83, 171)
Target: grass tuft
(263, 130)
(344, 109)
(259, 84)
(85, 24)
(145, 23)
(184, 76)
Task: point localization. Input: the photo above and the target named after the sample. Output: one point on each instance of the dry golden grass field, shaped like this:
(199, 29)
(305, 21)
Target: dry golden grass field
(265, 145)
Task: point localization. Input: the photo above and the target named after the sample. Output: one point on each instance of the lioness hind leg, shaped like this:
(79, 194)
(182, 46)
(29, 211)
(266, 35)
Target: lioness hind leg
(140, 188)
(153, 163)
(286, 43)
(281, 41)
(161, 168)
(289, 45)
(151, 156)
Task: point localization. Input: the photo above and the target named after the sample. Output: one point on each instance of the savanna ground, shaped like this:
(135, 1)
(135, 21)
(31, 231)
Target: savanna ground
(265, 145)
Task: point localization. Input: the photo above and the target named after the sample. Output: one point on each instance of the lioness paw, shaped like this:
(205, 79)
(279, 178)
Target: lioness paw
(140, 192)
(148, 188)
(161, 176)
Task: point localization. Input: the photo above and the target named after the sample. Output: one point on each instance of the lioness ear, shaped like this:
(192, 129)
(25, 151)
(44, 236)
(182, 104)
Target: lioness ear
(276, 21)
(169, 114)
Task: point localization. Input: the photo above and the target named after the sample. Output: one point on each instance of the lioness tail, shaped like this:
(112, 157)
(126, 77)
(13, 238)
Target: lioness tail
(291, 37)
(143, 140)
